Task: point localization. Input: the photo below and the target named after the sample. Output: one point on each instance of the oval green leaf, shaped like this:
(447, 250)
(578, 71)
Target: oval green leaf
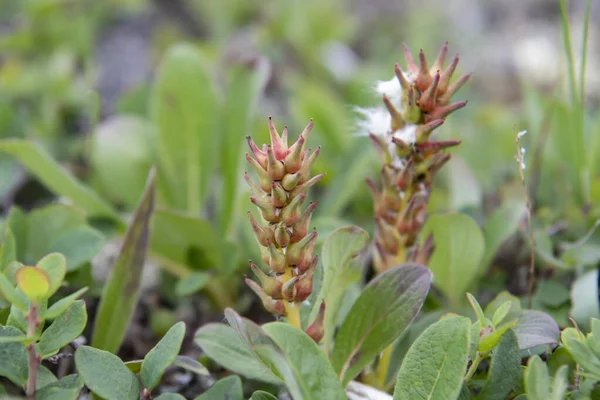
(436, 363)
(459, 247)
(229, 388)
(384, 310)
(106, 375)
(55, 265)
(34, 282)
(66, 328)
(78, 245)
(505, 369)
(308, 361)
(162, 356)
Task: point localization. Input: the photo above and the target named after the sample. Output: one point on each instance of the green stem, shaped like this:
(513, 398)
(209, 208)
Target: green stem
(473, 367)
(33, 360)
(383, 365)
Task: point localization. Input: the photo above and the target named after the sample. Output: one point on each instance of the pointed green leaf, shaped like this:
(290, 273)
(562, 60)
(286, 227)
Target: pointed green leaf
(221, 343)
(505, 369)
(340, 270)
(483, 321)
(184, 106)
(229, 388)
(501, 313)
(260, 395)
(55, 177)
(8, 250)
(436, 363)
(459, 247)
(491, 340)
(67, 388)
(120, 294)
(61, 305)
(537, 379)
(55, 265)
(13, 357)
(106, 375)
(386, 307)
(66, 328)
(499, 300)
(560, 384)
(191, 365)
(162, 356)
(245, 85)
(308, 361)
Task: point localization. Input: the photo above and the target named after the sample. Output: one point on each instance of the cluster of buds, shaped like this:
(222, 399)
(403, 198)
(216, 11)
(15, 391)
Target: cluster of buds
(285, 241)
(416, 103)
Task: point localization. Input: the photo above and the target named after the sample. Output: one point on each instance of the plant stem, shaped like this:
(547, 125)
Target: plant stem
(473, 367)
(384, 365)
(292, 314)
(33, 360)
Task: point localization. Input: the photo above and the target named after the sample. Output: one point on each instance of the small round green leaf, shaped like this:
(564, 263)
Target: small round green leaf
(55, 265)
(13, 357)
(34, 282)
(66, 328)
(79, 245)
(162, 356)
(106, 375)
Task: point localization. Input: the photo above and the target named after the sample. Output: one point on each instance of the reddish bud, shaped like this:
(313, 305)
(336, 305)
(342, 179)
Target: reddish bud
(429, 148)
(291, 213)
(455, 87)
(276, 259)
(442, 112)
(268, 211)
(271, 305)
(270, 284)
(446, 75)
(438, 65)
(412, 111)
(305, 284)
(288, 290)
(260, 155)
(279, 196)
(282, 236)
(301, 226)
(263, 176)
(424, 78)
(307, 164)
(299, 254)
(293, 161)
(256, 190)
(428, 99)
(316, 330)
(290, 181)
(278, 145)
(424, 131)
(260, 234)
(401, 77)
(275, 168)
(411, 66)
(397, 120)
(303, 189)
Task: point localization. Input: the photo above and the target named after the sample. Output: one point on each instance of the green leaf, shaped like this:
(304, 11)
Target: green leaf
(585, 298)
(55, 177)
(585, 351)
(34, 283)
(67, 388)
(175, 235)
(55, 265)
(221, 343)
(192, 283)
(260, 395)
(505, 369)
(106, 375)
(120, 156)
(12, 294)
(13, 357)
(560, 384)
(162, 356)
(501, 313)
(191, 365)
(246, 83)
(537, 379)
(435, 365)
(120, 294)
(44, 225)
(308, 361)
(459, 247)
(61, 305)
(63, 330)
(229, 388)
(535, 328)
(17, 222)
(8, 250)
(45, 377)
(386, 307)
(170, 396)
(500, 226)
(483, 321)
(340, 270)
(184, 107)
(499, 300)
(464, 188)
(491, 340)
(78, 245)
